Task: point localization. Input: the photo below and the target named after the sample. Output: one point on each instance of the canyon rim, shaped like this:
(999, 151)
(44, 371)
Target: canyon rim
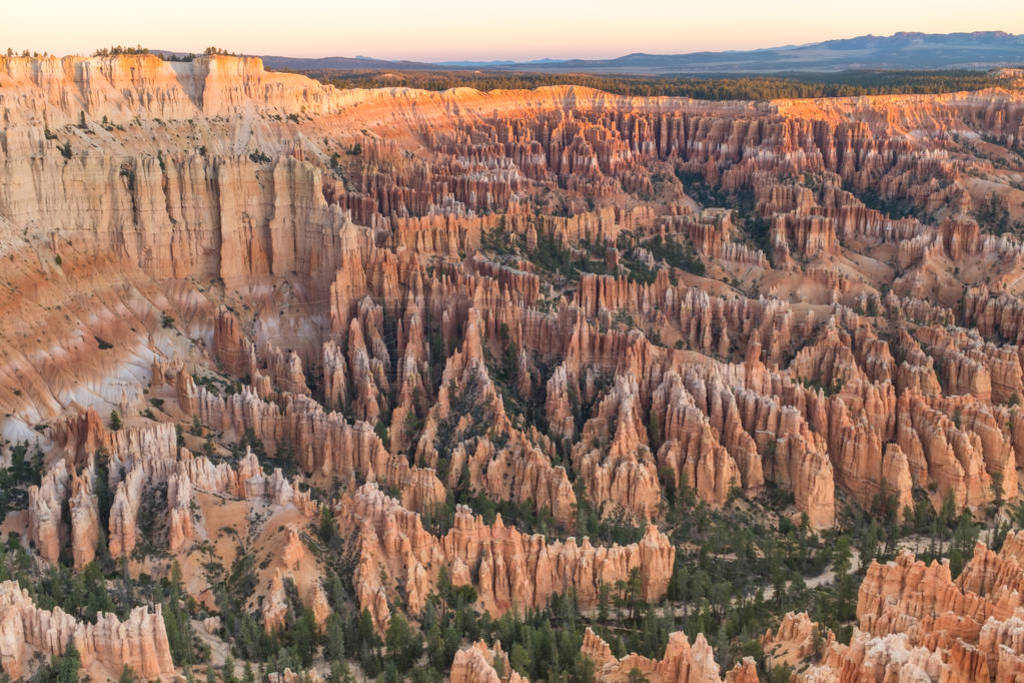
(307, 382)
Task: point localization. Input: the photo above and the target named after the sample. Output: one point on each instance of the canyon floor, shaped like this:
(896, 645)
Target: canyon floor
(301, 383)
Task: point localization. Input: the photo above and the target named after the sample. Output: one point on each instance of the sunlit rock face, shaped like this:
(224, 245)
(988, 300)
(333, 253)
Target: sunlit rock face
(329, 212)
(109, 645)
(915, 622)
(681, 662)
(561, 302)
(512, 570)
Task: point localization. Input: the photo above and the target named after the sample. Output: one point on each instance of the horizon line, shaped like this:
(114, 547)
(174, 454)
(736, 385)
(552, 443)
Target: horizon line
(452, 61)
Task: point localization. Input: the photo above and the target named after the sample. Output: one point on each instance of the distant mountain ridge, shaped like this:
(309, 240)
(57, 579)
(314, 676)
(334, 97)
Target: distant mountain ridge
(904, 50)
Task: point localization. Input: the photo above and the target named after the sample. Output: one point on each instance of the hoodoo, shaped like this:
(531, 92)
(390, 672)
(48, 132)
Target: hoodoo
(505, 385)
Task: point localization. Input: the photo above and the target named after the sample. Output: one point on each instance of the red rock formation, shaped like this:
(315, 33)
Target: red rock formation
(480, 664)
(286, 371)
(85, 518)
(807, 236)
(618, 468)
(289, 676)
(140, 642)
(431, 206)
(137, 465)
(513, 570)
(916, 621)
(886, 658)
(44, 512)
(275, 605)
(796, 640)
(323, 443)
(426, 285)
(681, 662)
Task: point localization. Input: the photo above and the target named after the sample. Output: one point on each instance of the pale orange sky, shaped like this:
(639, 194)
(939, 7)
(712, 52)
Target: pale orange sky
(463, 29)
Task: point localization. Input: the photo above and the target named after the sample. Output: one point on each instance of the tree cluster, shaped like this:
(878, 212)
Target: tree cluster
(767, 87)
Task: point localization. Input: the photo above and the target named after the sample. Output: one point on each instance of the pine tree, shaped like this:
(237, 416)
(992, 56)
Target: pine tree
(65, 668)
(176, 620)
(228, 670)
(335, 637)
(654, 431)
(339, 672)
(520, 658)
(304, 637)
(404, 644)
(636, 676)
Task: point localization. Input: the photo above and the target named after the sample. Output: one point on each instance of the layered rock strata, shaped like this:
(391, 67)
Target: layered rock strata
(510, 570)
(140, 642)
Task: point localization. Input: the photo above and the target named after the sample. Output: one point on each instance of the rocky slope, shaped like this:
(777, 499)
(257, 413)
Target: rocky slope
(917, 623)
(406, 312)
(681, 662)
(269, 201)
(105, 647)
(512, 571)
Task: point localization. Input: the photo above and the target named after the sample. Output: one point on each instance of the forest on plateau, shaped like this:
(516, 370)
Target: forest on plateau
(779, 86)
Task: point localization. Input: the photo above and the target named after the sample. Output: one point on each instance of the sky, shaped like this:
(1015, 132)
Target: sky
(479, 29)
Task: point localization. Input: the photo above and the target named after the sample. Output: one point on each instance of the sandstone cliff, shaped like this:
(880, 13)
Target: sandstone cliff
(917, 623)
(509, 569)
(525, 299)
(140, 642)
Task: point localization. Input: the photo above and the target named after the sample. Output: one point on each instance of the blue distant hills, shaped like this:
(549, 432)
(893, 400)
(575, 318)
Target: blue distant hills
(905, 50)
